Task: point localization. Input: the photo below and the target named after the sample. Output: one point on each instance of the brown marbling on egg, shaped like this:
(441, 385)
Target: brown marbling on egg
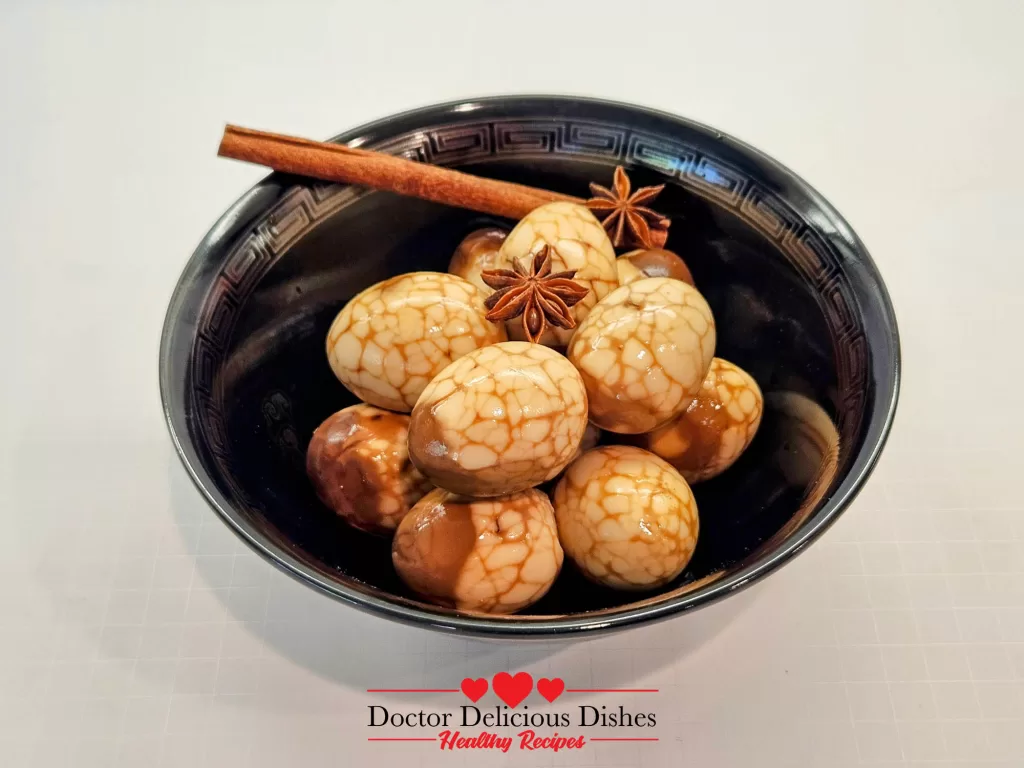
(501, 419)
(490, 555)
(626, 518)
(643, 352)
(712, 433)
(358, 462)
(389, 341)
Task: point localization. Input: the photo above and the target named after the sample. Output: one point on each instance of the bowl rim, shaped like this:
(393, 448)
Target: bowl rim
(880, 415)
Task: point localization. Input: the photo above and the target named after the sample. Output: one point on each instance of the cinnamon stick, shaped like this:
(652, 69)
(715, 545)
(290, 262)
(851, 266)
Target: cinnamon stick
(365, 168)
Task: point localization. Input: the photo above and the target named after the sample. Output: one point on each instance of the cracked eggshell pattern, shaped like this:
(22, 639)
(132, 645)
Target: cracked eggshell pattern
(499, 420)
(578, 241)
(394, 337)
(643, 352)
(358, 462)
(477, 251)
(715, 429)
(626, 518)
(491, 555)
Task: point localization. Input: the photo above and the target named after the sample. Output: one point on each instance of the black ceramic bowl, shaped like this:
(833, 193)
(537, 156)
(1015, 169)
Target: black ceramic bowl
(797, 300)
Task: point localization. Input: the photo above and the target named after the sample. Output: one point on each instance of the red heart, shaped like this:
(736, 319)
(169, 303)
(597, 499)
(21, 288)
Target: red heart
(512, 690)
(550, 689)
(474, 689)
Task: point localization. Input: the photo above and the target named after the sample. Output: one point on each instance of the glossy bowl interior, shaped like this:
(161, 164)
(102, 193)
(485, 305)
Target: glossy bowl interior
(797, 300)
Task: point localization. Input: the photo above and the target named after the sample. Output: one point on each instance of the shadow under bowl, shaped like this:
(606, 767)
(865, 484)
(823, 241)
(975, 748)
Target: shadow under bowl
(797, 300)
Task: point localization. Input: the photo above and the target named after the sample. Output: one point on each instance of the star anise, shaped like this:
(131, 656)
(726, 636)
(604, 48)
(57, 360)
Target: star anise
(620, 210)
(531, 290)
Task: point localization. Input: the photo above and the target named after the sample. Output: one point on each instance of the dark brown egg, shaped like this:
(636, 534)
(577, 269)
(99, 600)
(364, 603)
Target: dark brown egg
(358, 461)
(657, 262)
(477, 251)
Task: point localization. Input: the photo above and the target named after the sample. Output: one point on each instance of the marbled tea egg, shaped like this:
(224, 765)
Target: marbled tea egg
(477, 251)
(591, 437)
(358, 462)
(626, 518)
(716, 428)
(394, 337)
(578, 242)
(491, 555)
(658, 262)
(499, 420)
(643, 352)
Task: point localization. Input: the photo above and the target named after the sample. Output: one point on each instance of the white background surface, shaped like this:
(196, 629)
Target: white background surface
(136, 631)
